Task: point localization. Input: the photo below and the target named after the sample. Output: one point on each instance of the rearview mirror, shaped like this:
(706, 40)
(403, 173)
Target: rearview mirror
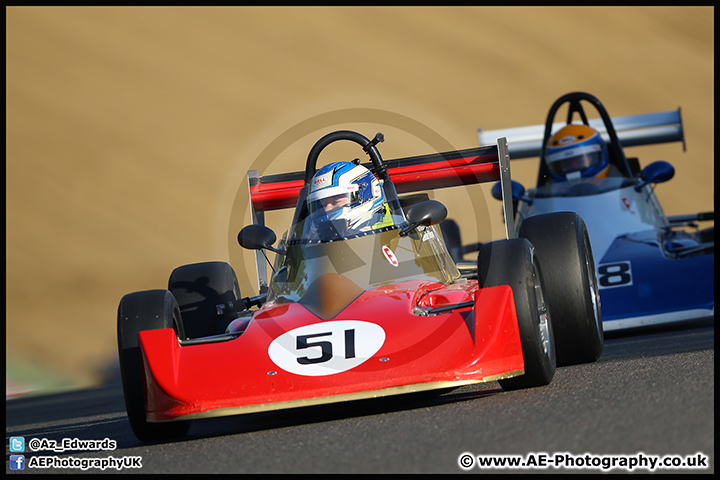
(428, 212)
(257, 237)
(657, 172)
(517, 191)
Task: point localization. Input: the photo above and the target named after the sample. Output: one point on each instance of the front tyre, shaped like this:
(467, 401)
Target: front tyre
(198, 288)
(565, 256)
(147, 310)
(512, 262)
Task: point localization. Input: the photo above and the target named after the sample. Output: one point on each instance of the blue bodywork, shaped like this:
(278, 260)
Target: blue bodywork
(641, 283)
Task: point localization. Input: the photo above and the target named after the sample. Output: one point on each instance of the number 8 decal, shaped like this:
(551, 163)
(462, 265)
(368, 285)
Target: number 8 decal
(617, 274)
(326, 348)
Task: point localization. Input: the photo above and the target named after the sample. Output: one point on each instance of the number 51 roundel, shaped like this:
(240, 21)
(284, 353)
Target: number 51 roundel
(326, 348)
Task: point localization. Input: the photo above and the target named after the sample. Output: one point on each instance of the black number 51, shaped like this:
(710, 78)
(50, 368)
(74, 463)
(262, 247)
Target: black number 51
(326, 346)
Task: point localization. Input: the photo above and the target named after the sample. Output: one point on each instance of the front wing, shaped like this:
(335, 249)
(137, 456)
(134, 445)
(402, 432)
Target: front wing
(258, 372)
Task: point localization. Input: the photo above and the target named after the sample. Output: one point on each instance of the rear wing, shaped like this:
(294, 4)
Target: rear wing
(632, 130)
(411, 174)
(427, 172)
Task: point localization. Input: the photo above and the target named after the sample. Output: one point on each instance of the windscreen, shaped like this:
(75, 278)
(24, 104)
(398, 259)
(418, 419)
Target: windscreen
(369, 259)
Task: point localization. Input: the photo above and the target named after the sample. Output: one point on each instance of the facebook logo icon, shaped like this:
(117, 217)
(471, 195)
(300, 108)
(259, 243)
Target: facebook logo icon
(17, 462)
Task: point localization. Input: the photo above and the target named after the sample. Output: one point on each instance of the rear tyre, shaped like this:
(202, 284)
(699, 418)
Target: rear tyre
(571, 290)
(512, 262)
(147, 310)
(198, 288)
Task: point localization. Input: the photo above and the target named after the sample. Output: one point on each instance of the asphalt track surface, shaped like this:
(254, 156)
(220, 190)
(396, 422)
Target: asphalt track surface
(651, 394)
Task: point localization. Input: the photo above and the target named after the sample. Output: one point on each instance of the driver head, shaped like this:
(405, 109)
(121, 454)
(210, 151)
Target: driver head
(576, 151)
(346, 191)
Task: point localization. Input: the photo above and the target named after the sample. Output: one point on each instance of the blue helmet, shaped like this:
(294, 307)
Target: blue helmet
(346, 191)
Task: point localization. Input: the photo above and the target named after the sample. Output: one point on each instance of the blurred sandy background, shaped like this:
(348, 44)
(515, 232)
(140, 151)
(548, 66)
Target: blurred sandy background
(130, 130)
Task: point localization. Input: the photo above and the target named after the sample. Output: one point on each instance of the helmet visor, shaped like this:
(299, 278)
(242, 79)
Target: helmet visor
(332, 198)
(574, 159)
(332, 203)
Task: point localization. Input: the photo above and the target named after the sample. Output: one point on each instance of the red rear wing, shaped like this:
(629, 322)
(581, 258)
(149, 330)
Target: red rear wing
(411, 174)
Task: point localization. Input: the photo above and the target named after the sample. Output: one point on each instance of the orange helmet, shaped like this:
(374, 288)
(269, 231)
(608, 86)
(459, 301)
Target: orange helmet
(576, 148)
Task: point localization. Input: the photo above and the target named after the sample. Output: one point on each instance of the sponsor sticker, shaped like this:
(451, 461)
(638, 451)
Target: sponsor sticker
(390, 256)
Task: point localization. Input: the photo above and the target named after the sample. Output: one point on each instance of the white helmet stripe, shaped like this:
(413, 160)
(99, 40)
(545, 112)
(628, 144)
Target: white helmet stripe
(331, 192)
(352, 175)
(573, 152)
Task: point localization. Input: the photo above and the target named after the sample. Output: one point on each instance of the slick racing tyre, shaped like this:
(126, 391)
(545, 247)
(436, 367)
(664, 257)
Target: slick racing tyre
(563, 250)
(147, 310)
(198, 288)
(512, 262)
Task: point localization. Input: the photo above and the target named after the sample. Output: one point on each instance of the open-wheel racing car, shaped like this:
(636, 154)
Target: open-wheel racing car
(364, 300)
(651, 269)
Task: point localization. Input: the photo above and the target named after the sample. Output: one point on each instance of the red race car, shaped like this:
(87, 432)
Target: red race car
(364, 299)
